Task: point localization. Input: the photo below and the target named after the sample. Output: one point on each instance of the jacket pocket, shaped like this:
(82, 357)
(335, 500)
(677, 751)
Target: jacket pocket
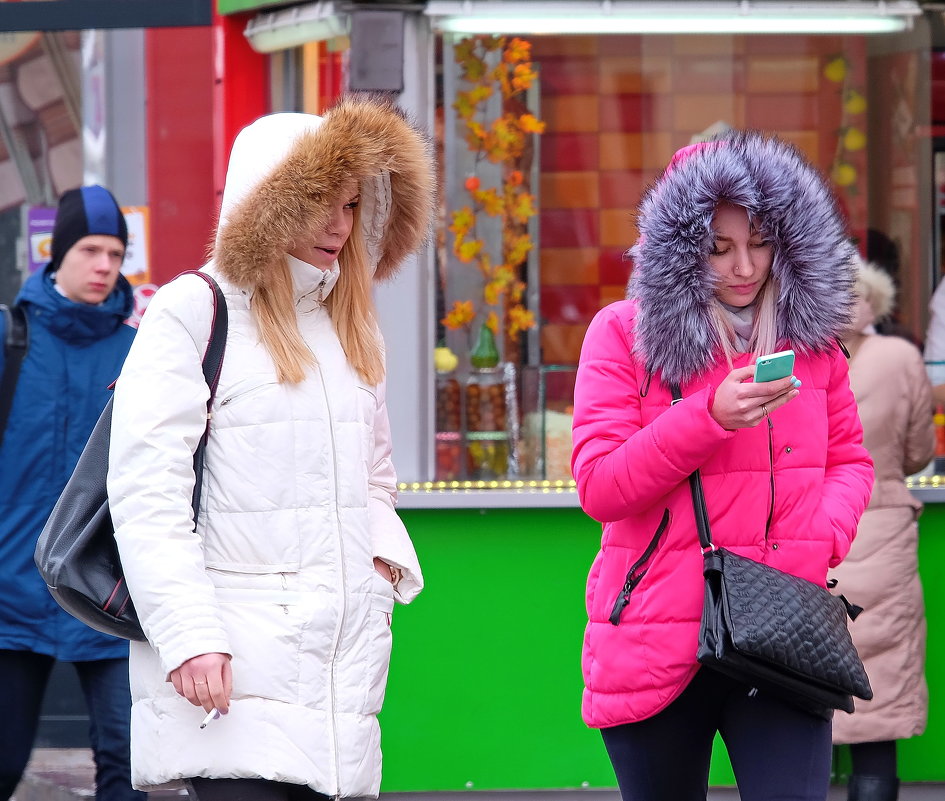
(379, 642)
(637, 571)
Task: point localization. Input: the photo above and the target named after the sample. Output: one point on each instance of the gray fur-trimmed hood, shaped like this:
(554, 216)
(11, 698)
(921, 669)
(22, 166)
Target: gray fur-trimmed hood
(672, 282)
(286, 169)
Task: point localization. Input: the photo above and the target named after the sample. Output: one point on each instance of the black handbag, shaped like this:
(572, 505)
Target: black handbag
(773, 631)
(76, 552)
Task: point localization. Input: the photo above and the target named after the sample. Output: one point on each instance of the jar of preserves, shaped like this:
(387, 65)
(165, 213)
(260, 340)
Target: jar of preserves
(487, 439)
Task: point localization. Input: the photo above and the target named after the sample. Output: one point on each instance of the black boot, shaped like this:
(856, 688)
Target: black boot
(872, 788)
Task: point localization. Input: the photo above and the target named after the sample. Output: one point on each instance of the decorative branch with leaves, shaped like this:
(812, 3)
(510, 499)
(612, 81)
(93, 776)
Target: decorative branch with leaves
(503, 141)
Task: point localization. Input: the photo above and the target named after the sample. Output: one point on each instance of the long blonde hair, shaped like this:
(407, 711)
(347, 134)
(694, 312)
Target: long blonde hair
(764, 330)
(350, 305)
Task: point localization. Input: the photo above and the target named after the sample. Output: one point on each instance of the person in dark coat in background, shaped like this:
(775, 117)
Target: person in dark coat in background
(75, 309)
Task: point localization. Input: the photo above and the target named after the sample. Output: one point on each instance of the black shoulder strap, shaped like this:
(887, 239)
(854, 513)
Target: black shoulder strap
(212, 364)
(15, 344)
(698, 496)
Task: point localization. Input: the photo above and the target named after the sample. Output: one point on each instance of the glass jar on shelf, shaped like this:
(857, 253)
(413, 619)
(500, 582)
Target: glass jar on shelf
(449, 417)
(449, 437)
(487, 438)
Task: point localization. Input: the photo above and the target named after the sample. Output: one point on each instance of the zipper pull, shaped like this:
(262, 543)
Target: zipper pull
(622, 600)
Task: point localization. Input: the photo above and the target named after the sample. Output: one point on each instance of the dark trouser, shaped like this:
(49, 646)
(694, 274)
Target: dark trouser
(249, 790)
(778, 753)
(23, 679)
(874, 759)
(874, 776)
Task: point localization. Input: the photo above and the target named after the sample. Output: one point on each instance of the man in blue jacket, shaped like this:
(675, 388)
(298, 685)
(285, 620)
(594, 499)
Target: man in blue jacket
(75, 308)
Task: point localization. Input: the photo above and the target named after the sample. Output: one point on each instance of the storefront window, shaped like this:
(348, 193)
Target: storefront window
(605, 114)
(307, 78)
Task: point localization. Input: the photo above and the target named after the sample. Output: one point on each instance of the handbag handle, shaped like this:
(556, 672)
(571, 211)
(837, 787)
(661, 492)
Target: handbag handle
(212, 365)
(698, 496)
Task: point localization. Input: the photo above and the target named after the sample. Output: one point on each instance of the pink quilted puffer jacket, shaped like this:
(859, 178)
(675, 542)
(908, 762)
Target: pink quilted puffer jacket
(788, 492)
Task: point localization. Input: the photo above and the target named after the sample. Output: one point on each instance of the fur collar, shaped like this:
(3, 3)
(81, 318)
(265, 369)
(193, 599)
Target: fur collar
(285, 169)
(672, 282)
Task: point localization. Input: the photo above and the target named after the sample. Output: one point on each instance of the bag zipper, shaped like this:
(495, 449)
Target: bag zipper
(634, 578)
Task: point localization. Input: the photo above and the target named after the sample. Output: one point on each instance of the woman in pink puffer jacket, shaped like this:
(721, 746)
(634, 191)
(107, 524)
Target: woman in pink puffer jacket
(741, 253)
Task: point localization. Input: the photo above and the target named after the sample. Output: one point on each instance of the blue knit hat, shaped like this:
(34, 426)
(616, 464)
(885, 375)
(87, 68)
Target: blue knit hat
(86, 211)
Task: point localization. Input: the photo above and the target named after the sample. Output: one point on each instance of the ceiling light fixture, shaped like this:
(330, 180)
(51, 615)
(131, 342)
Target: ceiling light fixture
(650, 16)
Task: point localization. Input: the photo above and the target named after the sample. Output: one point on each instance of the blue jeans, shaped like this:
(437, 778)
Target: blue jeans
(23, 679)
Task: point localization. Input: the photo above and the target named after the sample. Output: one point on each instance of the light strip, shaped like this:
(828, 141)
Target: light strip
(295, 26)
(616, 16)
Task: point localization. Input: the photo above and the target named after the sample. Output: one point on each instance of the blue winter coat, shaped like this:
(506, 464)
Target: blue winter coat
(75, 352)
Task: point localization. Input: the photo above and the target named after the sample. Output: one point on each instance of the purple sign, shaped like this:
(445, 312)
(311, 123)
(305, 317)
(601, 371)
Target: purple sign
(39, 228)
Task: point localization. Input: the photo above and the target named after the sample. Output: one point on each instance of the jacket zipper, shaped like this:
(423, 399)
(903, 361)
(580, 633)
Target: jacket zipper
(771, 478)
(634, 578)
(244, 393)
(333, 732)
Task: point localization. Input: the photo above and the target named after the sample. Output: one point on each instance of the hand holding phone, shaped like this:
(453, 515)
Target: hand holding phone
(747, 395)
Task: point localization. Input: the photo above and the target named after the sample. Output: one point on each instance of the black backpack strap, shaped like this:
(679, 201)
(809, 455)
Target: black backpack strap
(212, 364)
(15, 344)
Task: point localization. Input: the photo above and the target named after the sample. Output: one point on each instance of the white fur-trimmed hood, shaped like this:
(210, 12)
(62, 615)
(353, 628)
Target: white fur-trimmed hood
(286, 169)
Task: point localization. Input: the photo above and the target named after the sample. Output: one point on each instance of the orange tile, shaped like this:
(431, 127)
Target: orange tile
(611, 293)
(623, 45)
(657, 74)
(630, 74)
(621, 188)
(799, 74)
(620, 75)
(658, 149)
(725, 46)
(808, 142)
(570, 190)
(570, 113)
(777, 45)
(564, 266)
(616, 228)
(621, 151)
(543, 46)
(698, 74)
(779, 112)
(561, 344)
(696, 112)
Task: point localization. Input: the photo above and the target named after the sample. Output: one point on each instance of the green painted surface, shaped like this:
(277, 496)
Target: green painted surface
(233, 6)
(485, 682)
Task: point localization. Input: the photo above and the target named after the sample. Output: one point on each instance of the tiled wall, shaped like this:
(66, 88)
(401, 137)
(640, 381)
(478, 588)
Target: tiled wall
(618, 107)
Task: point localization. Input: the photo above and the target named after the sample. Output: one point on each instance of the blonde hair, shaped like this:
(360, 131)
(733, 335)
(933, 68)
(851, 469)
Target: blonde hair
(764, 330)
(350, 306)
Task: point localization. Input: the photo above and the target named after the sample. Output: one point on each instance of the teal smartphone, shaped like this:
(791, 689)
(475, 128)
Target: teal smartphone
(773, 366)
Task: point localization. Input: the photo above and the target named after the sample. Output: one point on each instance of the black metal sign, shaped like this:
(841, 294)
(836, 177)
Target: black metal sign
(73, 15)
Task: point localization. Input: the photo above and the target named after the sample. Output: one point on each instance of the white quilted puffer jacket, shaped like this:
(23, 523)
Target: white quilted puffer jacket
(297, 499)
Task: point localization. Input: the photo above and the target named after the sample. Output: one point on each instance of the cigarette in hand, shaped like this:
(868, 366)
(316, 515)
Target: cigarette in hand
(213, 714)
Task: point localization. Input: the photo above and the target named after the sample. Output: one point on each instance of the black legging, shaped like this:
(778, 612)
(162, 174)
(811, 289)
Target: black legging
(778, 753)
(201, 789)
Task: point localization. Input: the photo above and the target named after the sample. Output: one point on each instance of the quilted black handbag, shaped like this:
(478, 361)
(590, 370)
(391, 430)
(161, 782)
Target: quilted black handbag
(773, 631)
(76, 552)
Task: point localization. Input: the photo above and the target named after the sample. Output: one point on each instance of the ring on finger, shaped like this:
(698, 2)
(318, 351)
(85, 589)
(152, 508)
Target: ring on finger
(197, 683)
(764, 410)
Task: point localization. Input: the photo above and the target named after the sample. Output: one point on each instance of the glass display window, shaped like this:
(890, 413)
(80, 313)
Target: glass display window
(603, 115)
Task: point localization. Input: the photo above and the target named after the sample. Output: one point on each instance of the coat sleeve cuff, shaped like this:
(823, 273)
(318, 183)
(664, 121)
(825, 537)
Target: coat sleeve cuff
(391, 543)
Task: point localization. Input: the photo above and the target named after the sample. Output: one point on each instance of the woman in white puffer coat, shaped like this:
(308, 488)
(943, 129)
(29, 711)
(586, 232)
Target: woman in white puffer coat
(276, 609)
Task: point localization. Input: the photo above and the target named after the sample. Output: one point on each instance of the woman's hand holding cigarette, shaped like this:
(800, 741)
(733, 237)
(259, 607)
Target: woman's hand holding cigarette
(205, 680)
